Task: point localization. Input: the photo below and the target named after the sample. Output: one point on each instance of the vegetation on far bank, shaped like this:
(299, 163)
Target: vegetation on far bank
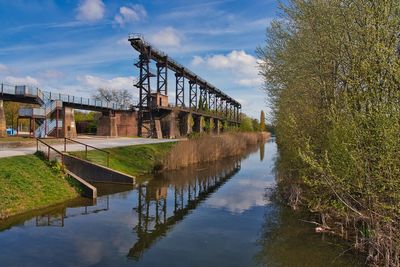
(207, 148)
(28, 182)
(332, 72)
(139, 160)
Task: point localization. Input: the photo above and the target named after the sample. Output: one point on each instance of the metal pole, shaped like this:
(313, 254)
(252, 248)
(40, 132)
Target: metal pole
(57, 117)
(65, 144)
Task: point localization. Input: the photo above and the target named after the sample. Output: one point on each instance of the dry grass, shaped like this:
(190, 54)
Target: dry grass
(210, 148)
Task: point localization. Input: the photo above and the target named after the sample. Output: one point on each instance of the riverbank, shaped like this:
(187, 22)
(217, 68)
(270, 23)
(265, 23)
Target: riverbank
(28, 183)
(208, 148)
(225, 204)
(137, 160)
(142, 160)
(338, 129)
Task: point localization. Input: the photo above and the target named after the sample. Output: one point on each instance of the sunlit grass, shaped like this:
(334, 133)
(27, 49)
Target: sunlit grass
(133, 160)
(27, 182)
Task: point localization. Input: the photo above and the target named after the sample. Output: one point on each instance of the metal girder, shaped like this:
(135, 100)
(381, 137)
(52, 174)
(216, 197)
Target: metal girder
(162, 78)
(203, 104)
(211, 98)
(180, 90)
(193, 95)
(220, 106)
(144, 87)
(207, 98)
(137, 42)
(144, 81)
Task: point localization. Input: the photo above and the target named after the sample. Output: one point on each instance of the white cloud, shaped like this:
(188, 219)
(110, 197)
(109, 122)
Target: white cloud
(52, 74)
(250, 82)
(3, 68)
(242, 65)
(167, 37)
(123, 41)
(90, 10)
(27, 80)
(95, 82)
(197, 61)
(130, 14)
(236, 200)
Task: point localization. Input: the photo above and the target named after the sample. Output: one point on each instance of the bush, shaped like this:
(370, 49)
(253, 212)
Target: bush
(332, 78)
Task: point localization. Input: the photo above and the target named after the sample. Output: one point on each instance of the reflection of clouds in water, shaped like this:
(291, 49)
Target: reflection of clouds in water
(245, 194)
(90, 251)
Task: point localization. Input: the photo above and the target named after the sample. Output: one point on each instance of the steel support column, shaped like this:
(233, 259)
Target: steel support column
(213, 102)
(162, 78)
(210, 101)
(203, 98)
(193, 95)
(221, 106)
(180, 90)
(144, 86)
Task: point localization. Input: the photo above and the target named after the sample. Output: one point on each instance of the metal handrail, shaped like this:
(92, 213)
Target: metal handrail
(36, 92)
(86, 149)
(49, 148)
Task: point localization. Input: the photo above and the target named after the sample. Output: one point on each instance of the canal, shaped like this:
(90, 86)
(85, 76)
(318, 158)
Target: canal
(219, 214)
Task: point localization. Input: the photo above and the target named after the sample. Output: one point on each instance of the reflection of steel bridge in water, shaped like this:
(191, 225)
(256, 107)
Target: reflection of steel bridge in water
(155, 218)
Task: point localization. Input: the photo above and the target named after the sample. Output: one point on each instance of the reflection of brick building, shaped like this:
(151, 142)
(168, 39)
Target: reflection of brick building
(157, 193)
(161, 193)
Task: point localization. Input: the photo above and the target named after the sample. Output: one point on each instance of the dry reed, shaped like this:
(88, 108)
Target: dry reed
(209, 148)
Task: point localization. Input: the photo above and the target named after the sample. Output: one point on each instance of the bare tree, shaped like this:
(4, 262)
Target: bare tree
(121, 97)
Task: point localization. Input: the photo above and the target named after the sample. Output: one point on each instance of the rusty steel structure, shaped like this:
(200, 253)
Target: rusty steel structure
(201, 97)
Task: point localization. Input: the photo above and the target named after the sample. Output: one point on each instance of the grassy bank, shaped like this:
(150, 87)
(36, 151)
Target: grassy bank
(134, 160)
(28, 183)
(144, 159)
(208, 148)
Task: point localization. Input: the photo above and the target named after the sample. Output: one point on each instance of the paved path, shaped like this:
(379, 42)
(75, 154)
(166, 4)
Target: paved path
(96, 142)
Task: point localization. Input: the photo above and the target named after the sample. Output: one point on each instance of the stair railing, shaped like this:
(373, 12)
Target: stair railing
(86, 149)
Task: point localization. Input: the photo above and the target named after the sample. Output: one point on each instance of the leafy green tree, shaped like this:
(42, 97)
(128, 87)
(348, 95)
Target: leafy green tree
(262, 121)
(255, 125)
(332, 75)
(246, 124)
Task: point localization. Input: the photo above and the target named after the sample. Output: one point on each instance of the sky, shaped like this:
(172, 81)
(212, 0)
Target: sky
(77, 46)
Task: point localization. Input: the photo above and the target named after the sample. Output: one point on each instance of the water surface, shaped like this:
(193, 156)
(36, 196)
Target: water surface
(218, 214)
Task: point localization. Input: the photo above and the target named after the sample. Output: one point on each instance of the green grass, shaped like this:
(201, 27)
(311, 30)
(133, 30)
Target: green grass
(134, 160)
(16, 139)
(27, 183)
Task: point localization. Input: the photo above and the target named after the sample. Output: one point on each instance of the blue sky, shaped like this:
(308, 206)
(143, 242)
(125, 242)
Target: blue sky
(77, 46)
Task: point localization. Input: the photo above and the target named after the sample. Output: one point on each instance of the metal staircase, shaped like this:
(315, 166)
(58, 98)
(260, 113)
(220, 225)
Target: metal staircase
(44, 116)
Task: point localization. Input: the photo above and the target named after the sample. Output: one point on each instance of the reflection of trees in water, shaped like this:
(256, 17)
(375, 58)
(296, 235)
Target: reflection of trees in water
(185, 190)
(262, 151)
(287, 241)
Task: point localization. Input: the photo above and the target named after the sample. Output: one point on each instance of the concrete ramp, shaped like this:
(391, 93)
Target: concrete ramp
(92, 172)
(88, 189)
